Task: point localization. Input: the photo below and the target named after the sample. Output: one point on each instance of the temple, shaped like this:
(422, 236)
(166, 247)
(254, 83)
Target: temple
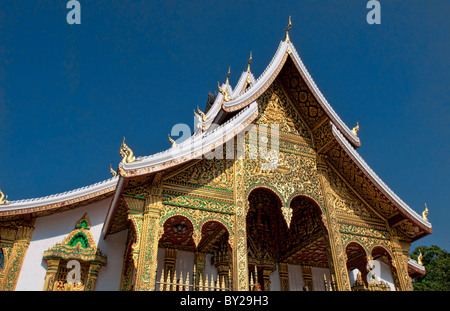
(269, 193)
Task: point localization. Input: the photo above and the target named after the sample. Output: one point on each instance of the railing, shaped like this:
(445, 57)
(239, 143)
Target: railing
(204, 283)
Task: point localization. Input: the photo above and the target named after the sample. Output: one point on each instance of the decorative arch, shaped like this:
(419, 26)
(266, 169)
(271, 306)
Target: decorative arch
(78, 246)
(178, 229)
(268, 187)
(306, 195)
(384, 255)
(220, 221)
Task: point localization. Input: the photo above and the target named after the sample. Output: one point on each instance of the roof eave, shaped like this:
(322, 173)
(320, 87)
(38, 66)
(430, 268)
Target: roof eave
(401, 206)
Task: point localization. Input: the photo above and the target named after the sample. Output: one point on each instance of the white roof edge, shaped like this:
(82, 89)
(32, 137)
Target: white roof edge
(415, 264)
(195, 143)
(319, 94)
(215, 108)
(57, 198)
(380, 182)
(262, 79)
(269, 71)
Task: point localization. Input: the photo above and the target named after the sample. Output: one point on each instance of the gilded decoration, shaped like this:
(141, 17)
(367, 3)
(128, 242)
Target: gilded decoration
(15, 237)
(218, 190)
(197, 218)
(80, 246)
(295, 171)
(211, 174)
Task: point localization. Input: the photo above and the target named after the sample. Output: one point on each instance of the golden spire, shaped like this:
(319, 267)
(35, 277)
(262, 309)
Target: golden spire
(3, 198)
(113, 172)
(249, 62)
(287, 30)
(224, 92)
(425, 213)
(228, 75)
(174, 144)
(355, 129)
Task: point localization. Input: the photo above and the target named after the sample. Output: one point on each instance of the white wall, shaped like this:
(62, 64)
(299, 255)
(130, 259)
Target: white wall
(386, 275)
(275, 284)
(317, 278)
(382, 272)
(52, 229)
(295, 278)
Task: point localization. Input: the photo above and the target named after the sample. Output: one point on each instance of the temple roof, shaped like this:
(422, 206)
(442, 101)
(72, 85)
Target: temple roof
(62, 201)
(230, 113)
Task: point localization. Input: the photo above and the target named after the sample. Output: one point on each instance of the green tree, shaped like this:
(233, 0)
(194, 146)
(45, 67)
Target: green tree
(437, 266)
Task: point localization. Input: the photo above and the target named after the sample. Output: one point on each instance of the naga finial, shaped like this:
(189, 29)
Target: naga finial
(3, 198)
(113, 172)
(174, 144)
(287, 30)
(224, 92)
(126, 153)
(199, 118)
(249, 62)
(355, 129)
(419, 259)
(204, 118)
(227, 82)
(425, 213)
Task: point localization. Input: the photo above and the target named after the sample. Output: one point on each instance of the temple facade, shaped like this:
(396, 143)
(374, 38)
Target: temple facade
(269, 193)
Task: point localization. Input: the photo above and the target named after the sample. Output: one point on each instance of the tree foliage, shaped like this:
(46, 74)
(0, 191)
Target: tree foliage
(437, 266)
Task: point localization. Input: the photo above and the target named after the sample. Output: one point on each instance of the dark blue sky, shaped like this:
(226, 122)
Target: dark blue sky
(70, 93)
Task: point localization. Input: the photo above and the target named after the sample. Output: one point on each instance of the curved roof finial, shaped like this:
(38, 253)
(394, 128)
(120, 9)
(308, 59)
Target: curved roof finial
(113, 172)
(174, 144)
(249, 62)
(355, 129)
(3, 198)
(228, 76)
(287, 30)
(425, 213)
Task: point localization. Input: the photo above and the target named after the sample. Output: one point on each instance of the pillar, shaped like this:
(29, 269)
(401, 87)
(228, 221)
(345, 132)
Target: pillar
(50, 277)
(240, 260)
(284, 276)
(92, 276)
(148, 243)
(15, 258)
(400, 263)
(307, 278)
(169, 262)
(338, 257)
(199, 264)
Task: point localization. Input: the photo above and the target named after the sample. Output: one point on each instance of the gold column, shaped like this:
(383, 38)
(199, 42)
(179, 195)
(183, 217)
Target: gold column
(169, 262)
(148, 244)
(339, 257)
(266, 278)
(240, 260)
(284, 276)
(92, 276)
(222, 272)
(199, 262)
(400, 263)
(131, 257)
(50, 277)
(307, 277)
(15, 258)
